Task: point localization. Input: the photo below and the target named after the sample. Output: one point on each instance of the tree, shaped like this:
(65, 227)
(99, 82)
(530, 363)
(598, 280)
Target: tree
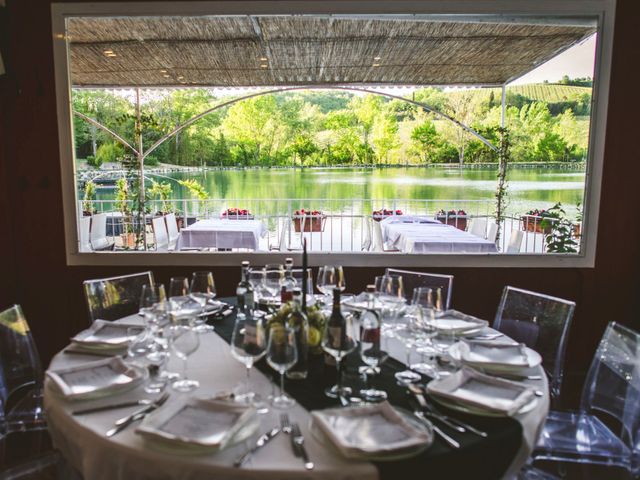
(366, 109)
(425, 139)
(303, 147)
(384, 136)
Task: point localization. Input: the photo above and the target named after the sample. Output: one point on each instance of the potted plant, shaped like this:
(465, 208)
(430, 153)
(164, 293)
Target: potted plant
(122, 202)
(533, 221)
(455, 218)
(161, 191)
(313, 220)
(88, 207)
(560, 238)
(384, 213)
(237, 214)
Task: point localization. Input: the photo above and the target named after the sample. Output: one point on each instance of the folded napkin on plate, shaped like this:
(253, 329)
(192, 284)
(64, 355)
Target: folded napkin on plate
(454, 321)
(105, 334)
(469, 387)
(368, 429)
(494, 353)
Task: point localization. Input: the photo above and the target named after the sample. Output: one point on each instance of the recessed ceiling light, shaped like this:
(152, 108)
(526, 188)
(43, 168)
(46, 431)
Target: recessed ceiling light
(166, 76)
(376, 65)
(376, 58)
(163, 71)
(107, 52)
(263, 59)
(111, 55)
(263, 66)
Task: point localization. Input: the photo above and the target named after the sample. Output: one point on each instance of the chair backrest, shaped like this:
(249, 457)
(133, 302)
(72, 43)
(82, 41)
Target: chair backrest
(115, 297)
(160, 233)
(19, 359)
(492, 233)
(366, 242)
(85, 231)
(412, 280)
(297, 274)
(99, 231)
(542, 323)
(478, 227)
(284, 231)
(172, 226)
(515, 241)
(612, 385)
(378, 242)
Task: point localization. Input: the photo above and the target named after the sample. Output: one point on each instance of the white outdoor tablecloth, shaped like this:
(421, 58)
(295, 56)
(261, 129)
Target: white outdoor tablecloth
(433, 238)
(126, 457)
(222, 233)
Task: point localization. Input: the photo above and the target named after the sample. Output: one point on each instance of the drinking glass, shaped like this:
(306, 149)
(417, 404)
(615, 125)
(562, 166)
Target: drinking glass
(425, 320)
(371, 353)
(184, 342)
(178, 287)
(248, 346)
(203, 291)
(390, 293)
(273, 278)
(330, 277)
(144, 352)
(257, 280)
(181, 303)
(282, 354)
(150, 296)
(338, 342)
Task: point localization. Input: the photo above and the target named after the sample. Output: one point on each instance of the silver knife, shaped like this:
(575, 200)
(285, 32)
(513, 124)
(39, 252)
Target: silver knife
(261, 442)
(298, 438)
(124, 422)
(104, 408)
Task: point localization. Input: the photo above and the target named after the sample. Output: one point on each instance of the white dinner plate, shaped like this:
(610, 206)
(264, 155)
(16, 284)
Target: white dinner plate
(533, 358)
(105, 335)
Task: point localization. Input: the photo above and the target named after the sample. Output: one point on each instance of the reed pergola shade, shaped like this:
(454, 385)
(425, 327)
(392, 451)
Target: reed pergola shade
(240, 51)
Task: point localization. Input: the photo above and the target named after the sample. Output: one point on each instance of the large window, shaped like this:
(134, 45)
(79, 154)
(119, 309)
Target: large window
(432, 135)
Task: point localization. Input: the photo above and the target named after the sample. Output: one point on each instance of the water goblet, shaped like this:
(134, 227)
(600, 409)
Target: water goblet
(338, 342)
(282, 354)
(257, 281)
(203, 290)
(248, 346)
(273, 279)
(371, 353)
(184, 342)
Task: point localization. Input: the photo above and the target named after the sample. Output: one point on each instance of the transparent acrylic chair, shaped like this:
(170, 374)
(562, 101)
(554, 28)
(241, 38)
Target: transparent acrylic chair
(542, 323)
(611, 389)
(412, 280)
(21, 376)
(115, 297)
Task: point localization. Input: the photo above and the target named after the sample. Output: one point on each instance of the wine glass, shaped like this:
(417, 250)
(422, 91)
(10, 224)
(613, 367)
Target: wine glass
(330, 277)
(273, 278)
(184, 342)
(181, 303)
(371, 353)
(282, 354)
(203, 290)
(425, 320)
(257, 280)
(338, 342)
(248, 346)
(150, 296)
(142, 351)
(390, 293)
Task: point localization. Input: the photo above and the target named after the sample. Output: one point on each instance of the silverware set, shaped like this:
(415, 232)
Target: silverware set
(261, 442)
(139, 414)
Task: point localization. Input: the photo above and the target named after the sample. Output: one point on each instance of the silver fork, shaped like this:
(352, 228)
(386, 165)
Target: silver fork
(285, 426)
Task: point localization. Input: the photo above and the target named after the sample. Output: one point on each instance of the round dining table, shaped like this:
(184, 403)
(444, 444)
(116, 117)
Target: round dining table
(82, 441)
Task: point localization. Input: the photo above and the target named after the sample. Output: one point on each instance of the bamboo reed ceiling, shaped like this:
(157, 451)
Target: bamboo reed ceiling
(243, 51)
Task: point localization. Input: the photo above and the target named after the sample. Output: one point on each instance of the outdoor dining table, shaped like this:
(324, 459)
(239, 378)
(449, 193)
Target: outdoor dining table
(426, 236)
(222, 234)
(81, 438)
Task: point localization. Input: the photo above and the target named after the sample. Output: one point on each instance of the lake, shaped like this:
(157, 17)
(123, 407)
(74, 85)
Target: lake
(362, 190)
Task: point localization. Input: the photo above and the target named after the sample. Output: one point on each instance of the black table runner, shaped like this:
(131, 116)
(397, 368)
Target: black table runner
(477, 458)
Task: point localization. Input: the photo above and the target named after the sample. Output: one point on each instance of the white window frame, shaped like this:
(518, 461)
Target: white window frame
(604, 10)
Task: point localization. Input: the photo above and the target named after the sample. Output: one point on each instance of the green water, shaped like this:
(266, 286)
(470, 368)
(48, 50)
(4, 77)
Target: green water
(335, 189)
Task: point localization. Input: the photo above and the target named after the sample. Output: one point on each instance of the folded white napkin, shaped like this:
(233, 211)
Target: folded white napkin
(469, 387)
(494, 353)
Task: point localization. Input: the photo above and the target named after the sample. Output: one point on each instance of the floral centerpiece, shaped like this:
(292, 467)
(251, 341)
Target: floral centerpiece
(309, 220)
(532, 221)
(316, 320)
(455, 218)
(384, 213)
(237, 214)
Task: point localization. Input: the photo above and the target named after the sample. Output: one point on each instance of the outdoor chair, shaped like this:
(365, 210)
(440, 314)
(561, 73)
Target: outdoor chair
(84, 230)
(492, 232)
(283, 245)
(172, 229)
(610, 403)
(115, 297)
(413, 280)
(378, 241)
(542, 323)
(366, 226)
(515, 241)
(478, 227)
(160, 234)
(98, 236)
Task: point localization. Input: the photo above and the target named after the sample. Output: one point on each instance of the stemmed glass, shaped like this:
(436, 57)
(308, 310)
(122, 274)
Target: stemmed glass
(338, 342)
(330, 277)
(390, 293)
(282, 354)
(151, 296)
(184, 342)
(371, 353)
(181, 303)
(143, 351)
(418, 329)
(248, 346)
(273, 279)
(257, 280)
(203, 291)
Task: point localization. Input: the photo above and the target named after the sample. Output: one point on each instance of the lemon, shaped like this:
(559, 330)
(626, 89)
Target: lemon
(314, 337)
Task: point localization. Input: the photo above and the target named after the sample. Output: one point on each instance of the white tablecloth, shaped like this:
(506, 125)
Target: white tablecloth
(222, 233)
(433, 238)
(126, 456)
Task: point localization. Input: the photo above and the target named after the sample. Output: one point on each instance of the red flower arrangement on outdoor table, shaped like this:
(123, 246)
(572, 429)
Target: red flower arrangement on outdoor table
(384, 213)
(455, 218)
(313, 220)
(534, 224)
(235, 213)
